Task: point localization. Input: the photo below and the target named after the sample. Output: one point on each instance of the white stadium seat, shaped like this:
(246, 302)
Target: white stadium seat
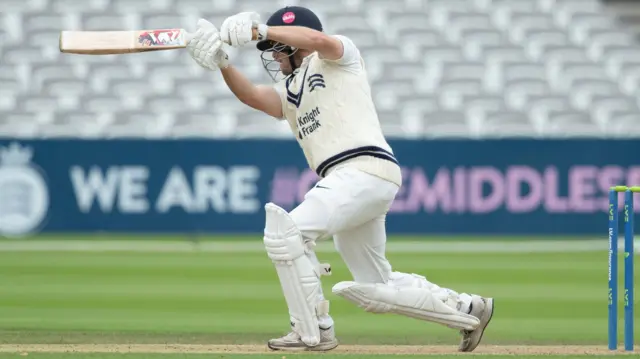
(439, 68)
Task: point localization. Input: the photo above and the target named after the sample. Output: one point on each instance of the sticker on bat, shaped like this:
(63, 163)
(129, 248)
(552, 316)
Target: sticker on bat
(171, 37)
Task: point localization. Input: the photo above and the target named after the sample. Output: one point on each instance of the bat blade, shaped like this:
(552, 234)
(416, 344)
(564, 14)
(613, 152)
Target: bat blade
(121, 42)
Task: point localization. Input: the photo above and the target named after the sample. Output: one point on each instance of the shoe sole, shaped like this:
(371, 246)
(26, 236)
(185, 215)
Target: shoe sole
(317, 348)
(484, 327)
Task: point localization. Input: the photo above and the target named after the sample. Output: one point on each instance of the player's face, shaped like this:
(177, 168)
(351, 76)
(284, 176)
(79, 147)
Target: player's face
(283, 59)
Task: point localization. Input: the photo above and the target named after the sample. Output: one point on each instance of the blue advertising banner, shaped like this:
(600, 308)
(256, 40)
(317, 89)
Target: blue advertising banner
(536, 187)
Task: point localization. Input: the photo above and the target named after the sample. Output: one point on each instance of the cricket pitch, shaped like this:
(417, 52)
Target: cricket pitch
(262, 349)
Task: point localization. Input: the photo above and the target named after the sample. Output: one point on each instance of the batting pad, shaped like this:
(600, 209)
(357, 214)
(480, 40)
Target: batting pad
(299, 277)
(418, 303)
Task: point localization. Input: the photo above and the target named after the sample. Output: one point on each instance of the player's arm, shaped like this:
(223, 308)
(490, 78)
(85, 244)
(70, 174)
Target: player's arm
(260, 97)
(205, 47)
(337, 49)
(328, 47)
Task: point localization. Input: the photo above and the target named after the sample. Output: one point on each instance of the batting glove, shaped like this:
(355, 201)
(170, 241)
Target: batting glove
(237, 30)
(205, 47)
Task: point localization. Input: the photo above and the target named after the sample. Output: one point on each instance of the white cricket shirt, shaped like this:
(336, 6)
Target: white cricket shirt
(329, 108)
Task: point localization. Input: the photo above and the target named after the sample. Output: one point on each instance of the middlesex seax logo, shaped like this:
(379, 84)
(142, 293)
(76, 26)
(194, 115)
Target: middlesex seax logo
(24, 197)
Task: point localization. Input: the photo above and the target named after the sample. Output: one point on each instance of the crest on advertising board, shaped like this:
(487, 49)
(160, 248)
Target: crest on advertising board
(24, 196)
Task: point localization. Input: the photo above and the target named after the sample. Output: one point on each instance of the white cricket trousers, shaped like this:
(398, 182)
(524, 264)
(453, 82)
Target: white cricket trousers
(351, 206)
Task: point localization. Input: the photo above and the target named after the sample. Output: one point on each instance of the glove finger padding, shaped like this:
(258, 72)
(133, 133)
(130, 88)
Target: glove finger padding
(224, 30)
(192, 45)
(204, 46)
(234, 35)
(201, 27)
(244, 32)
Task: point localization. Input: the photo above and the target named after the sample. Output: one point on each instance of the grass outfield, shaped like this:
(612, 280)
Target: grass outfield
(233, 298)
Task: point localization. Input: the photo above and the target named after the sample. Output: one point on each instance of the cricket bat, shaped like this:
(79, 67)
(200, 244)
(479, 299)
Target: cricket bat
(125, 42)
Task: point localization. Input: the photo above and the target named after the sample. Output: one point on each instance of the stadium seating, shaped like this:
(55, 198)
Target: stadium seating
(439, 68)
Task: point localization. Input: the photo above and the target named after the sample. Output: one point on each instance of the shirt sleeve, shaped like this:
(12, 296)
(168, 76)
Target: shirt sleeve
(350, 59)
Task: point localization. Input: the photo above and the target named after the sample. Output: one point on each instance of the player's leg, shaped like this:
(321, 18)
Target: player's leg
(363, 251)
(471, 304)
(343, 200)
(378, 289)
(289, 240)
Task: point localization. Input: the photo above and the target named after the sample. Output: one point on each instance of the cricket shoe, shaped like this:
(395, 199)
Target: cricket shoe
(481, 308)
(292, 342)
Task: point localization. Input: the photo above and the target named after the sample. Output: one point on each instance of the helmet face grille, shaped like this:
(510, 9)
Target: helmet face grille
(271, 65)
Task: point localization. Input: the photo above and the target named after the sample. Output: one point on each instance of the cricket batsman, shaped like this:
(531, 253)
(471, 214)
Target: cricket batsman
(321, 89)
